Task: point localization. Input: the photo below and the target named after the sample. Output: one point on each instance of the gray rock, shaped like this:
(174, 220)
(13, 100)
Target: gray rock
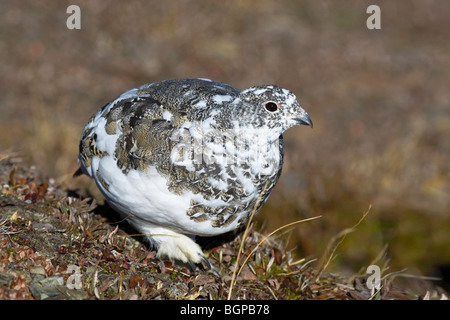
(5, 279)
(46, 288)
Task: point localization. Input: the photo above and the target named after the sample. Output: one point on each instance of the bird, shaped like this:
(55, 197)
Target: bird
(191, 157)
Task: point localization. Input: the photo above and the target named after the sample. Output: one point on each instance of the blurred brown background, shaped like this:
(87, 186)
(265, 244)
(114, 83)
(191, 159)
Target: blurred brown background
(379, 100)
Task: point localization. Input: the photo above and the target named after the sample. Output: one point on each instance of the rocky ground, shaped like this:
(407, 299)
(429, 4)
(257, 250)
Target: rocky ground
(56, 245)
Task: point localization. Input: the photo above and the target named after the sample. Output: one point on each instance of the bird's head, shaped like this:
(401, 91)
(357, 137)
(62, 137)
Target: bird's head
(271, 107)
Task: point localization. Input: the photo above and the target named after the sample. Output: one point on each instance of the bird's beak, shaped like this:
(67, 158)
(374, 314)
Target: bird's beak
(304, 120)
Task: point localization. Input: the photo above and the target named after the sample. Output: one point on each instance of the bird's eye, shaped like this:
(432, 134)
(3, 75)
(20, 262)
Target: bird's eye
(271, 106)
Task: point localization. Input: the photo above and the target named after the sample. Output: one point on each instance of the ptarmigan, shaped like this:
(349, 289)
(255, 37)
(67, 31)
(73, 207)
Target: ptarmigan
(188, 157)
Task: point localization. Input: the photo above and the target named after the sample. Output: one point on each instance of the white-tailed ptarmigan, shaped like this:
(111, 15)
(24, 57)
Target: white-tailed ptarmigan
(188, 157)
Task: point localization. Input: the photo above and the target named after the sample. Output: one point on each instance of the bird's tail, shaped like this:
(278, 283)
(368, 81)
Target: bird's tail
(78, 173)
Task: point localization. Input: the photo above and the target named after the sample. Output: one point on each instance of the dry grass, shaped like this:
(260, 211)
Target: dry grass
(238, 268)
(379, 101)
(44, 234)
